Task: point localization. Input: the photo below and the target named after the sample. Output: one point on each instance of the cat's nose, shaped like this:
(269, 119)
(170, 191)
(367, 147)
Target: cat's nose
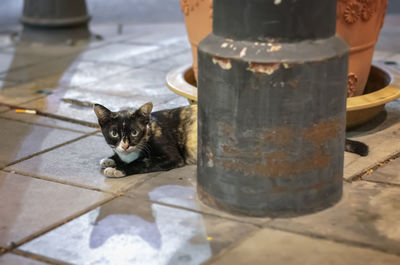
(125, 145)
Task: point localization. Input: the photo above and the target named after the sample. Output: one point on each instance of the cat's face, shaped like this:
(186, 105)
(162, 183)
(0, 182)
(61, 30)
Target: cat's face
(125, 131)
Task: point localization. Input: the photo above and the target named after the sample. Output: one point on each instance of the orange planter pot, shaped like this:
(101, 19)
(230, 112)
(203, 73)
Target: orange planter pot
(198, 20)
(359, 22)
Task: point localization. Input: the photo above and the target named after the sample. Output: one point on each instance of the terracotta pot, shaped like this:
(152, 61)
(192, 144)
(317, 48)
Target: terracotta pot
(359, 22)
(198, 20)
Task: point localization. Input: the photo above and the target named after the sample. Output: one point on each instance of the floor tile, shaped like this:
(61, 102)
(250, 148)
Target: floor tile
(389, 173)
(116, 52)
(136, 11)
(367, 214)
(55, 67)
(47, 51)
(55, 105)
(9, 61)
(11, 259)
(147, 58)
(382, 55)
(128, 231)
(138, 33)
(175, 187)
(388, 39)
(178, 187)
(78, 163)
(133, 83)
(4, 109)
(18, 94)
(162, 98)
(82, 73)
(164, 39)
(381, 135)
(161, 35)
(18, 139)
(76, 73)
(5, 84)
(118, 32)
(168, 64)
(42, 120)
(5, 39)
(276, 247)
(30, 206)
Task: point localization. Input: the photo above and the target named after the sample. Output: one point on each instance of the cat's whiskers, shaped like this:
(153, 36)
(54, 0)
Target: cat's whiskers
(148, 148)
(144, 147)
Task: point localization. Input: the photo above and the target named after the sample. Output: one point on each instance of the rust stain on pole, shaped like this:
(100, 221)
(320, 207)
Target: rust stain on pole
(323, 131)
(277, 163)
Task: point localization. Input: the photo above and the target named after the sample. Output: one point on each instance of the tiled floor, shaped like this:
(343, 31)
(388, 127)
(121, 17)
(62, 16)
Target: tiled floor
(56, 207)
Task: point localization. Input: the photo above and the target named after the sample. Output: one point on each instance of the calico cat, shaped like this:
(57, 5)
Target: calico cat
(356, 147)
(144, 142)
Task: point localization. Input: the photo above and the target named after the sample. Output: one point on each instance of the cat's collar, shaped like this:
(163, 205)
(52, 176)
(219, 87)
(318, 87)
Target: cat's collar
(128, 158)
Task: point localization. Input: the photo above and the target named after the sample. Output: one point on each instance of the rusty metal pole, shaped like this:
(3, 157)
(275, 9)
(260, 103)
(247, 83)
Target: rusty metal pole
(272, 106)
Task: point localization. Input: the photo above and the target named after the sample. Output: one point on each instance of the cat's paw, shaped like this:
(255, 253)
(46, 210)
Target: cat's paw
(112, 172)
(107, 162)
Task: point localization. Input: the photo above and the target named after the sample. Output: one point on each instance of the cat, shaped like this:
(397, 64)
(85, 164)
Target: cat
(144, 141)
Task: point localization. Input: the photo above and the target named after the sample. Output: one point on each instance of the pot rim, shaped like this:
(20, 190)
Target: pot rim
(176, 81)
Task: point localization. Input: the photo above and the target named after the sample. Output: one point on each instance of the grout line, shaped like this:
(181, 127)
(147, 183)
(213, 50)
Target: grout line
(371, 169)
(50, 59)
(147, 177)
(10, 106)
(14, 245)
(382, 182)
(31, 100)
(81, 186)
(72, 184)
(140, 43)
(38, 257)
(54, 116)
(139, 66)
(230, 247)
(63, 118)
(21, 67)
(259, 225)
(333, 239)
(51, 148)
(43, 124)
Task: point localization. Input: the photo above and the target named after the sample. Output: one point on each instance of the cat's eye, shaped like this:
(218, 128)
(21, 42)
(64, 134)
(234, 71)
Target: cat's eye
(114, 133)
(134, 132)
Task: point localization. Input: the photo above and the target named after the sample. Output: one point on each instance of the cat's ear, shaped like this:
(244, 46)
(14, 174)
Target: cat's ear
(146, 109)
(102, 113)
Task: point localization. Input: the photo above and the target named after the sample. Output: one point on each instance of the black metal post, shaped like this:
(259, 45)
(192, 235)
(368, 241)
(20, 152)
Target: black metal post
(272, 106)
(54, 13)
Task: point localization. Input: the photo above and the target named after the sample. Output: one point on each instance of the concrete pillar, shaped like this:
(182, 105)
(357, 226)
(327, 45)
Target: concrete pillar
(54, 13)
(272, 107)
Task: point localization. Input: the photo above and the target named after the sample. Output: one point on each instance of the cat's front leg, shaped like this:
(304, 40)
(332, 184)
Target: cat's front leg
(109, 167)
(107, 162)
(112, 172)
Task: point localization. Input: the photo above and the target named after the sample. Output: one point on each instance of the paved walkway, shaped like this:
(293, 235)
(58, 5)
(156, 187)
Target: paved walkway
(56, 207)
